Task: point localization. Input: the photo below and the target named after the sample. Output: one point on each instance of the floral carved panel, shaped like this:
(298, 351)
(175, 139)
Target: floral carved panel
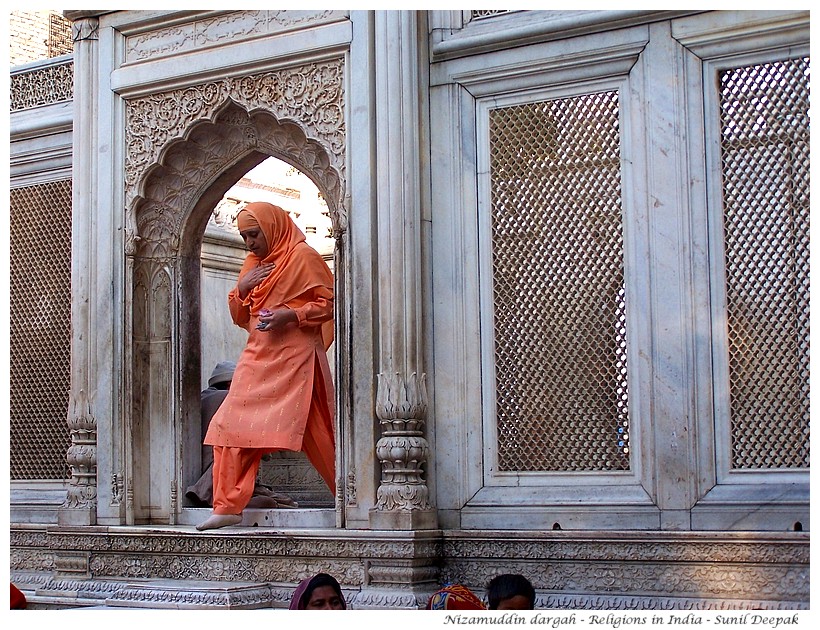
(226, 27)
(177, 141)
(42, 86)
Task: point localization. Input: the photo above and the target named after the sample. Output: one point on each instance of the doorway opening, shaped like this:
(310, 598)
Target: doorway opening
(222, 254)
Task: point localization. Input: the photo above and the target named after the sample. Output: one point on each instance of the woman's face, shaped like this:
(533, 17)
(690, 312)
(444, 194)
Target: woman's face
(255, 241)
(324, 598)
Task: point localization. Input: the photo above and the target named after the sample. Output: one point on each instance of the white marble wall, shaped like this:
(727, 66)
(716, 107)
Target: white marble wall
(411, 246)
(664, 73)
(222, 257)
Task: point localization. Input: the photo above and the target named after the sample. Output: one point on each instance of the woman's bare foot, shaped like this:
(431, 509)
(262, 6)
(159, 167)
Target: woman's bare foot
(215, 521)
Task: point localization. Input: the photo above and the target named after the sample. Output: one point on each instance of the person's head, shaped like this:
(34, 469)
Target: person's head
(321, 592)
(266, 229)
(222, 375)
(455, 597)
(510, 591)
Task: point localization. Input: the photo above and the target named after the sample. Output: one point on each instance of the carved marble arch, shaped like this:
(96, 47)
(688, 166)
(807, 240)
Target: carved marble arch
(163, 242)
(187, 167)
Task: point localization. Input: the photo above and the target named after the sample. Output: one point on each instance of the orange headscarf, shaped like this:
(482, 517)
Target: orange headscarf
(298, 268)
(455, 597)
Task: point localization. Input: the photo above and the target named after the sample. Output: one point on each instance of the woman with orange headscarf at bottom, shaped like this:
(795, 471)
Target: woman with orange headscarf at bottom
(281, 396)
(455, 597)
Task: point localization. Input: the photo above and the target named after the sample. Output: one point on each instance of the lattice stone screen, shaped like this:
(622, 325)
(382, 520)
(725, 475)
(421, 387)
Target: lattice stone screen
(482, 14)
(42, 86)
(765, 164)
(558, 285)
(59, 36)
(39, 339)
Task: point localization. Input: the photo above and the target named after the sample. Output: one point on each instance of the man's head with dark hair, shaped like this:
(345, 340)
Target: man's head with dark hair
(510, 591)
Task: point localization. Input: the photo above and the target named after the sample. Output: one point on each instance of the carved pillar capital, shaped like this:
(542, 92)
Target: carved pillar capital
(402, 499)
(80, 506)
(85, 29)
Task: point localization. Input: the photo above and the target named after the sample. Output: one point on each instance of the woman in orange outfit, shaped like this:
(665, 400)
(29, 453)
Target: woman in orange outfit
(281, 396)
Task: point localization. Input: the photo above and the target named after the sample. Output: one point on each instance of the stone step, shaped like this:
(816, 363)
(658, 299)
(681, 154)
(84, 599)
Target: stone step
(181, 595)
(283, 518)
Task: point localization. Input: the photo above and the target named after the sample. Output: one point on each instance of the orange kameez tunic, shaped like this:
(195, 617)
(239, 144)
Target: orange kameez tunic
(281, 397)
(282, 380)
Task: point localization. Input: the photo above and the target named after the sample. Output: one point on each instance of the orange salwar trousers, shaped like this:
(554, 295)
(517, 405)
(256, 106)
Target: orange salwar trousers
(235, 468)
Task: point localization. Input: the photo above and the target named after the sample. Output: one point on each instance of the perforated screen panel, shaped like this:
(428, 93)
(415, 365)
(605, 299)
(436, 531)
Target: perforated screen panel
(40, 320)
(59, 36)
(558, 285)
(483, 14)
(765, 163)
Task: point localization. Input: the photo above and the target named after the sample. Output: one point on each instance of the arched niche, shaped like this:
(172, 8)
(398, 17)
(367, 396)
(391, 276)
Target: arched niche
(161, 433)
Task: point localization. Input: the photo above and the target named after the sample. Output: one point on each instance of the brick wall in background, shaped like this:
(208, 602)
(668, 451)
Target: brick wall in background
(36, 35)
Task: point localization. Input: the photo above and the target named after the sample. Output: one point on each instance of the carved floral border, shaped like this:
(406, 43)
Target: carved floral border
(668, 573)
(310, 95)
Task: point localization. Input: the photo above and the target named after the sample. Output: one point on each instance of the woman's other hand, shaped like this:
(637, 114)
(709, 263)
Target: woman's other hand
(252, 278)
(271, 320)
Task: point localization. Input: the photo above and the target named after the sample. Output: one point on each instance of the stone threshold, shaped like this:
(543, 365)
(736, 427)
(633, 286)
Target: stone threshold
(281, 518)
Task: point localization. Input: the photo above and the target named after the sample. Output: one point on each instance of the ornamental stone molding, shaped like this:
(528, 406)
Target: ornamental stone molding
(223, 28)
(294, 113)
(400, 570)
(625, 547)
(617, 602)
(46, 85)
(182, 596)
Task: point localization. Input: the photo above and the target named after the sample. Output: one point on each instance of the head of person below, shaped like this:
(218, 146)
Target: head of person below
(510, 591)
(221, 376)
(321, 592)
(282, 395)
(455, 597)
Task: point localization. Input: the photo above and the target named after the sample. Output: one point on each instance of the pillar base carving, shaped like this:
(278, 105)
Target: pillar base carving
(402, 499)
(80, 505)
(403, 519)
(77, 516)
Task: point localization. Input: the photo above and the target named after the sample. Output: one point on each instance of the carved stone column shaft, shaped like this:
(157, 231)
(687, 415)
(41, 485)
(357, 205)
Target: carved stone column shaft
(80, 506)
(401, 406)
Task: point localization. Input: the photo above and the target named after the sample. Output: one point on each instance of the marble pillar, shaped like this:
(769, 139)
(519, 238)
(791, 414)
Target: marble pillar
(402, 500)
(80, 506)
